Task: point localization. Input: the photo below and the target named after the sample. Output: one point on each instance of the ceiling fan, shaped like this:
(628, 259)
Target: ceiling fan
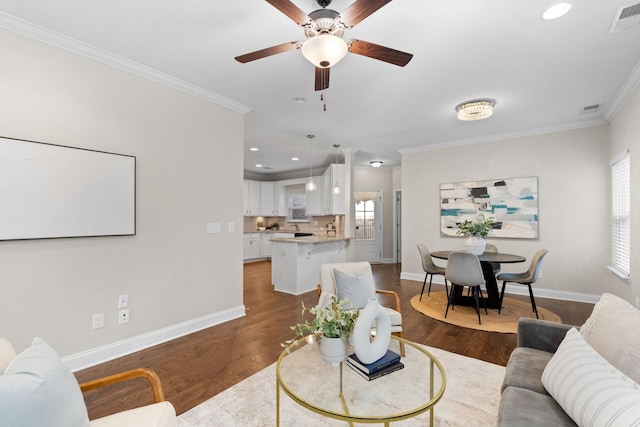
(324, 29)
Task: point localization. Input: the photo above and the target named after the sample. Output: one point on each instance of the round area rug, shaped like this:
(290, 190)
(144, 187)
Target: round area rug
(435, 305)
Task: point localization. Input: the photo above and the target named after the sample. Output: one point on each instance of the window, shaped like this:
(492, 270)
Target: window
(296, 203)
(365, 220)
(620, 216)
(297, 208)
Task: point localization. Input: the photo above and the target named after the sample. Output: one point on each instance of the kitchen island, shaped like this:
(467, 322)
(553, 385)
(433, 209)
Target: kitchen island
(295, 262)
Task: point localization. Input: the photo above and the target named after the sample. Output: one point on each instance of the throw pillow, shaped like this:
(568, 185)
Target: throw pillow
(613, 330)
(38, 390)
(588, 388)
(356, 288)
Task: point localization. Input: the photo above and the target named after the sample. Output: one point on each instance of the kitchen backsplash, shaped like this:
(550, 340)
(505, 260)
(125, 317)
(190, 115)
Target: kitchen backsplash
(316, 224)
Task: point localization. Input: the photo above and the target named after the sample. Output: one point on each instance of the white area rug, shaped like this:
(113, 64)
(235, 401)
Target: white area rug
(471, 398)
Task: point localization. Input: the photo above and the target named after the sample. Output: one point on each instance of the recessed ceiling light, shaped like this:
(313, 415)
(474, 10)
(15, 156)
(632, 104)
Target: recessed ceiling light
(295, 159)
(253, 149)
(258, 166)
(556, 11)
(299, 100)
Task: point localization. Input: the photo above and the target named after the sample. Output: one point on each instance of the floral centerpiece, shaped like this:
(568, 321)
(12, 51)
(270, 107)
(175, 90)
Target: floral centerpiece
(335, 320)
(477, 231)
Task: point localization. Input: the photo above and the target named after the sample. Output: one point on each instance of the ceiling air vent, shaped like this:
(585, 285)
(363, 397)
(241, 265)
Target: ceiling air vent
(589, 109)
(628, 17)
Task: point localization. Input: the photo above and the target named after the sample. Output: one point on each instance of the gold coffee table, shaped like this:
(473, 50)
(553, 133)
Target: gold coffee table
(340, 393)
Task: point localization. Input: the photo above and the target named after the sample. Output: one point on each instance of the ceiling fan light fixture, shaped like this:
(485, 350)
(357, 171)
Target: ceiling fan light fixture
(324, 50)
(376, 163)
(475, 110)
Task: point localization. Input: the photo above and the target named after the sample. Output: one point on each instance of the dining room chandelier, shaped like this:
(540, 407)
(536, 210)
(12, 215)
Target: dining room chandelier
(477, 109)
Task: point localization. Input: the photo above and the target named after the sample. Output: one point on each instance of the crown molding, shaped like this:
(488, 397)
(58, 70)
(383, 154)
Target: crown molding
(88, 51)
(501, 137)
(623, 94)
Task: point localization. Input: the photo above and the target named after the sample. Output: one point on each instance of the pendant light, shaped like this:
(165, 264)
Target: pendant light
(311, 186)
(336, 187)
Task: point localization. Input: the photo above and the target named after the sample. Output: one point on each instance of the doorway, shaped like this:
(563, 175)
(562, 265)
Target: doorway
(368, 235)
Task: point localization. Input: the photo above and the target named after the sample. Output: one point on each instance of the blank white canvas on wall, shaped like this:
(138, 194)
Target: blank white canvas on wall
(52, 191)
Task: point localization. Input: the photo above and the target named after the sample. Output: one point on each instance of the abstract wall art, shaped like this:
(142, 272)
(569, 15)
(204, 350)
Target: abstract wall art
(512, 203)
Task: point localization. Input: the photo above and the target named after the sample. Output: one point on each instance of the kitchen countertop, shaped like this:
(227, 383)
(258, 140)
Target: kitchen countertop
(312, 239)
(271, 231)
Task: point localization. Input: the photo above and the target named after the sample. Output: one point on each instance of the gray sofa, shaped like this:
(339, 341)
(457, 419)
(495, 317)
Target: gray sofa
(592, 374)
(525, 401)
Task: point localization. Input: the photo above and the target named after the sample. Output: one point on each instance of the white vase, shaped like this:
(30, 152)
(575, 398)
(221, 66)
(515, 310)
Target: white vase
(369, 351)
(333, 350)
(475, 245)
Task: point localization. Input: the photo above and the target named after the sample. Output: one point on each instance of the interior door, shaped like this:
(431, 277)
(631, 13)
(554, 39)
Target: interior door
(368, 236)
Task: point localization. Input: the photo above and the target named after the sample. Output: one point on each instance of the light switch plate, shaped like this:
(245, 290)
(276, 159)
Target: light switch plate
(213, 227)
(231, 227)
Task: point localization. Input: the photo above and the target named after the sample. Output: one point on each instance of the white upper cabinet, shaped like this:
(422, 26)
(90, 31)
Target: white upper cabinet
(251, 198)
(314, 197)
(267, 199)
(333, 203)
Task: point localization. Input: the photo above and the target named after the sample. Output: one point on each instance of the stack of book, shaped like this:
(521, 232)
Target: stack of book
(388, 363)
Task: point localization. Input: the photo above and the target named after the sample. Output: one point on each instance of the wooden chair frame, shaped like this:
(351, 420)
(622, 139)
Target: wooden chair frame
(148, 374)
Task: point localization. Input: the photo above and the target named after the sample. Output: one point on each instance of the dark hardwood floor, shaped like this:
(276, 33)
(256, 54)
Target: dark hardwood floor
(198, 366)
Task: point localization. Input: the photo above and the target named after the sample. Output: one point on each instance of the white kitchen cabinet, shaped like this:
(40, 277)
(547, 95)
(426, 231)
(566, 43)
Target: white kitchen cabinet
(251, 246)
(267, 199)
(265, 245)
(251, 198)
(280, 198)
(333, 204)
(314, 198)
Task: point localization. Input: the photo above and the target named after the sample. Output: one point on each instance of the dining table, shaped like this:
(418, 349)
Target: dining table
(492, 300)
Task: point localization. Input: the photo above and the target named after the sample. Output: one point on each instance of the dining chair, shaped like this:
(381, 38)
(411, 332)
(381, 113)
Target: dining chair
(430, 268)
(526, 278)
(464, 269)
(493, 249)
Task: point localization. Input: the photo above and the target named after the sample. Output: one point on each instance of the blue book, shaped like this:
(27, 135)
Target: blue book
(379, 373)
(389, 358)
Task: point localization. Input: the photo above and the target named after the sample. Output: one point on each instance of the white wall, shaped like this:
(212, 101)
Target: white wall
(189, 173)
(625, 134)
(572, 171)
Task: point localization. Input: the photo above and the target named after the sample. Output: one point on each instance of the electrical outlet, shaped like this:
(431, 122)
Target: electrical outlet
(123, 301)
(98, 321)
(123, 317)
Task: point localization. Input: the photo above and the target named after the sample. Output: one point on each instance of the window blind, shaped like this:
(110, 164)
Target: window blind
(621, 216)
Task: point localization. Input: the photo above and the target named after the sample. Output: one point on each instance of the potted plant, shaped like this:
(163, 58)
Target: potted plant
(334, 320)
(476, 231)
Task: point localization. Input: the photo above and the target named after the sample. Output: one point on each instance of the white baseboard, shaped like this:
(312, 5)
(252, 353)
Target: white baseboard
(95, 356)
(389, 261)
(516, 289)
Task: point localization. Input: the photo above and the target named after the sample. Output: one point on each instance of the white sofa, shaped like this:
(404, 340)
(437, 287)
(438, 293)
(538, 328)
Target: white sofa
(36, 389)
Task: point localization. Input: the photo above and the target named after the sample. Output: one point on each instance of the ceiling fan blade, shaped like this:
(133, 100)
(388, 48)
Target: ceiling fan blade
(322, 78)
(292, 11)
(273, 50)
(381, 53)
(359, 10)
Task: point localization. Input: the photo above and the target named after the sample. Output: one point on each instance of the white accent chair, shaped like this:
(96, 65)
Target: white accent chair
(363, 271)
(159, 414)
